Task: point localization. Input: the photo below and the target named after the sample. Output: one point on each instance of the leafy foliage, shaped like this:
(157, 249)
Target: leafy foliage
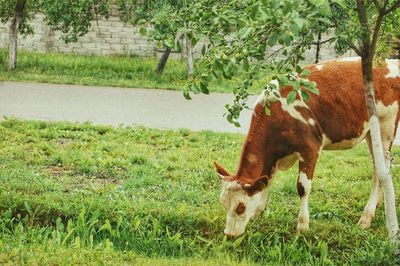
(260, 40)
(162, 17)
(265, 40)
(7, 12)
(72, 18)
(349, 32)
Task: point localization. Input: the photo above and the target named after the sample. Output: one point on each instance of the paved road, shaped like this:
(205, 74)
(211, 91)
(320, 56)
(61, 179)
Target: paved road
(118, 106)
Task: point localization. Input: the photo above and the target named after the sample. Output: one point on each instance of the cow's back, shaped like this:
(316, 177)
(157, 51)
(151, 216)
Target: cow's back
(340, 109)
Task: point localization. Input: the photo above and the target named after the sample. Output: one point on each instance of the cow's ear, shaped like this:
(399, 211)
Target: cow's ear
(222, 173)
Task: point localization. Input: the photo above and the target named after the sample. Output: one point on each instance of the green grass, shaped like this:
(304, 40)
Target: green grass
(119, 71)
(84, 194)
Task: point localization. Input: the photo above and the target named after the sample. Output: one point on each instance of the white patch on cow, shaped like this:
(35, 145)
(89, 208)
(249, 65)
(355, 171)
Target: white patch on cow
(387, 118)
(288, 161)
(319, 67)
(394, 68)
(350, 59)
(304, 215)
(325, 141)
(291, 109)
(269, 96)
(388, 111)
(346, 143)
(230, 197)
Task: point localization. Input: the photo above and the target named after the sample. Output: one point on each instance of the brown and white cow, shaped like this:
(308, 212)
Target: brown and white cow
(336, 119)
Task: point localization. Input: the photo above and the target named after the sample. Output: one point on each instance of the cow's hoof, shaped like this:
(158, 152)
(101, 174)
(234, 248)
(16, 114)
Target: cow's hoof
(365, 222)
(301, 228)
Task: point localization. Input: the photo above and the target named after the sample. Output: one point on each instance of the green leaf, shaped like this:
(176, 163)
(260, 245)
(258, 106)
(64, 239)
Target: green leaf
(245, 32)
(311, 86)
(203, 88)
(237, 124)
(298, 69)
(255, 11)
(305, 95)
(195, 88)
(291, 97)
(272, 39)
(186, 94)
(341, 3)
(267, 110)
(285, 38)
(299, 22)
(305, 73)
(203, 50)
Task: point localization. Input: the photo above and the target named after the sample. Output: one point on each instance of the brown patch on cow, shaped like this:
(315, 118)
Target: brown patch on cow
(300, 189)
(258, 186)
(240, 209)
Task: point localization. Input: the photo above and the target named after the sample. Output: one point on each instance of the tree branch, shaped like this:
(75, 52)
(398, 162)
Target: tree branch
(392, 8)
(362, 14)
(355, 48)
(325, 41)
(378, 6)
(375, 35)
(366, 36)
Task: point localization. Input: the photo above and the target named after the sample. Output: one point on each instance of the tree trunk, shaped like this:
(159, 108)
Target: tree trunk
(14, 26)
(318, 48)
(189, 56)
(382, 170)
(163, 60)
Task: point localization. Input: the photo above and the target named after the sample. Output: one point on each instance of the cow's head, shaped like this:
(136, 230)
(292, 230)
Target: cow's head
(241, 200)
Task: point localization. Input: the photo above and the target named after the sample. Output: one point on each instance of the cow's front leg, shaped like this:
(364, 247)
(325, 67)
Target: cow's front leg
(306, 171)
(304, 189)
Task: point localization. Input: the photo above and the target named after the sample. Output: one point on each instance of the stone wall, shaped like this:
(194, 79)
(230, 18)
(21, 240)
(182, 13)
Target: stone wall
(107, 37)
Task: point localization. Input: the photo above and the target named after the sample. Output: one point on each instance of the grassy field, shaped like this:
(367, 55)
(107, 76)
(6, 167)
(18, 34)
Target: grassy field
(119, 71)
(84, 194)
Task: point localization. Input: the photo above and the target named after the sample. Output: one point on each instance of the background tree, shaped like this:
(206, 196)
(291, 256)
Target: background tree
(167, 27)
(18, 13)
(72, 18)
(368, 27)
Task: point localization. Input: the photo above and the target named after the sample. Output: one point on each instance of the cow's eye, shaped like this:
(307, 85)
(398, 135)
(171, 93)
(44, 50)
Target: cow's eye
(240, 209)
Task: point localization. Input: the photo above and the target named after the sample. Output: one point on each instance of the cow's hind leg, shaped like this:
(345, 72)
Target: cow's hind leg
(307, 164)
(374, 198)
(388, 132)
